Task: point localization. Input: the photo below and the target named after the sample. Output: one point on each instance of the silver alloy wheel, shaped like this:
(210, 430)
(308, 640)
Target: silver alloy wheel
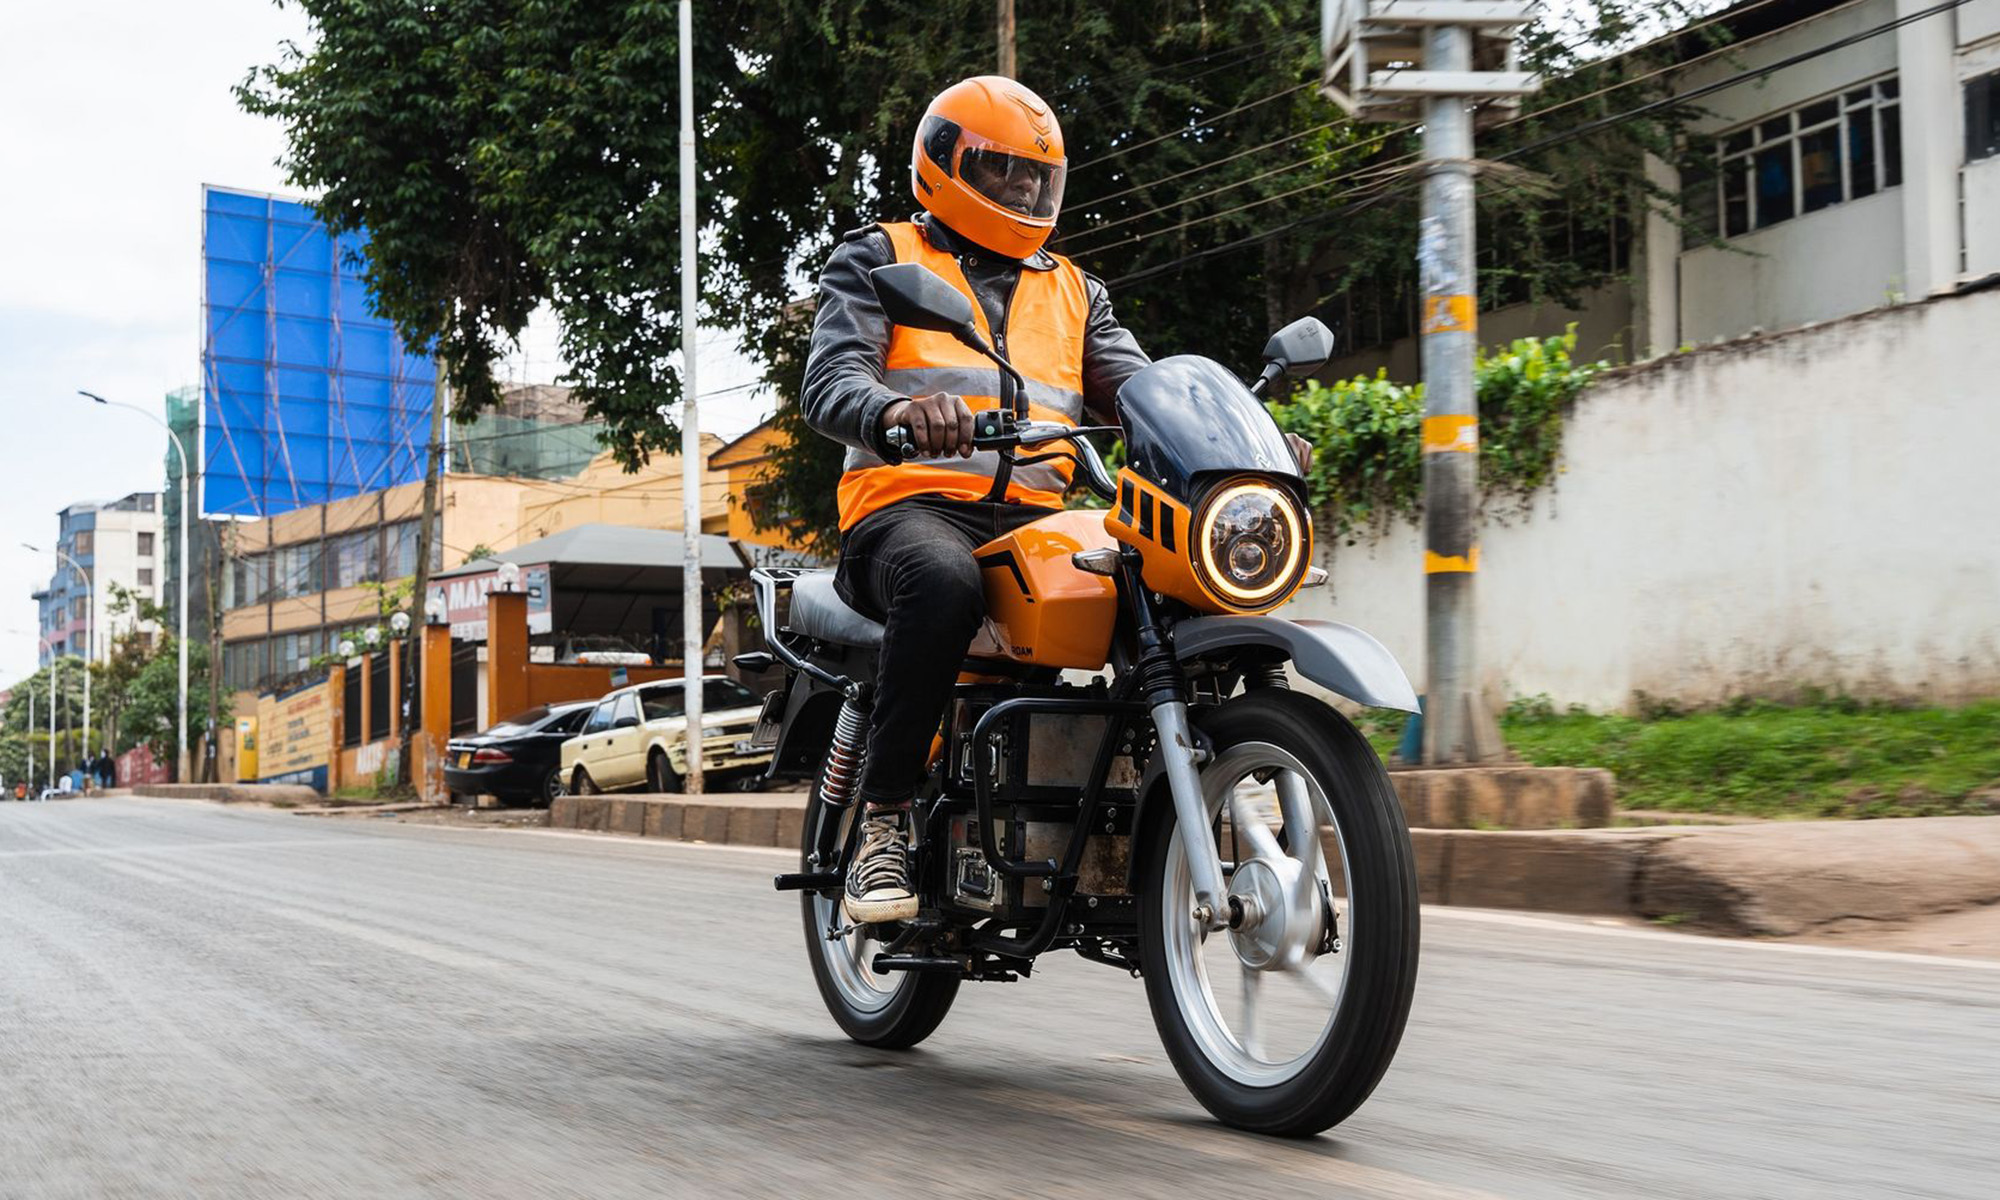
(1288, 892)
(850, 959)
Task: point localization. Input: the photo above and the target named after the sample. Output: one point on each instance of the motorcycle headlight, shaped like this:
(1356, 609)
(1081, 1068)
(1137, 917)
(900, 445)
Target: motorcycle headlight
(1250, 544)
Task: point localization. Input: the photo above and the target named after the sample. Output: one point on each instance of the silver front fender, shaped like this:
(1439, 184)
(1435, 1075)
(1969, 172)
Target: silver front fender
(1340, 658)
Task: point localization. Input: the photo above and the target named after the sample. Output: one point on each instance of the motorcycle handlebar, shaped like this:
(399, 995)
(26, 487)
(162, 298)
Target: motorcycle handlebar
(1026, 433)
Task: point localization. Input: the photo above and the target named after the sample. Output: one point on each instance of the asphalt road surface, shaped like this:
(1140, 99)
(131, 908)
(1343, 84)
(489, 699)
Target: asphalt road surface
(200, 1001)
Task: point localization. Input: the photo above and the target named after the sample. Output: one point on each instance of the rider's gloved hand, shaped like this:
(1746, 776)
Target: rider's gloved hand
(1301, 450)
(940, 424)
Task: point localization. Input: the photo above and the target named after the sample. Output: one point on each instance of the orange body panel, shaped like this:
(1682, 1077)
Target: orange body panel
(1045, 610)
(1158, 527)
(1161, 529)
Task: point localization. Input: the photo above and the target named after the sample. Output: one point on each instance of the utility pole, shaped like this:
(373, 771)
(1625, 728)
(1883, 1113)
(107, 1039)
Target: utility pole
(1434, 60)
(691, 624)
(1005, 22)
(210, 772)
(433, 451)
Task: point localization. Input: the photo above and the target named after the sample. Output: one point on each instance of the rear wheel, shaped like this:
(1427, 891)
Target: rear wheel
(891, 1012)
(582, 784)
(1285, 1023)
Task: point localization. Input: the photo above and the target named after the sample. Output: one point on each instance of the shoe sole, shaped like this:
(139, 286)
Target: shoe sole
(875, 912)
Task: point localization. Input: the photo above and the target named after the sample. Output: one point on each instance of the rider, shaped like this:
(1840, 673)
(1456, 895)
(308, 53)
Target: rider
(988, 168)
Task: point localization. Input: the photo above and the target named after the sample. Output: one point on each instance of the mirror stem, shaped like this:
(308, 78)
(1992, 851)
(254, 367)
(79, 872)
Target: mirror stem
(1273, 371)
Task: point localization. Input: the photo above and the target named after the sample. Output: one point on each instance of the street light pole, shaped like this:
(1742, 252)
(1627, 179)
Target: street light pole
(691, 625)
(89, 638)
(181, 633)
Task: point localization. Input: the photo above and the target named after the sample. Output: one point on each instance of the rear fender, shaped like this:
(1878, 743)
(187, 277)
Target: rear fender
(806, 729)
(1340, 658)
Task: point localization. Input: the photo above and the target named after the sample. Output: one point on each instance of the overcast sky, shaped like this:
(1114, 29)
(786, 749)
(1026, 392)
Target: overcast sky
(113, 113)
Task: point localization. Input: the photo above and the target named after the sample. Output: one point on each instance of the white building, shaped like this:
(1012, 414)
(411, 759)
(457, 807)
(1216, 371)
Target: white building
(117, 543)
(1866, 175)
(1806, 510)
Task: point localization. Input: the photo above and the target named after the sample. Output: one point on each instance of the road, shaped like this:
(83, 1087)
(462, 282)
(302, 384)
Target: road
(202, 1001)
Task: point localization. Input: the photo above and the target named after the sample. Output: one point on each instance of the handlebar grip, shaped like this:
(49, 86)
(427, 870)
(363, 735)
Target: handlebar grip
(901, 440)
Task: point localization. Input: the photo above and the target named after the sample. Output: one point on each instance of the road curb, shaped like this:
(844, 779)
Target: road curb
(1778, 878)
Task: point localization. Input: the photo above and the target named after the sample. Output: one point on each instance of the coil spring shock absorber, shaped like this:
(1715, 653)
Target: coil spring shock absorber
(1267, 674)
(842, 773)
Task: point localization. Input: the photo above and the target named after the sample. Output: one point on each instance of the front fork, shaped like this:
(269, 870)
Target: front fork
(1181, 759)
(1165, 687)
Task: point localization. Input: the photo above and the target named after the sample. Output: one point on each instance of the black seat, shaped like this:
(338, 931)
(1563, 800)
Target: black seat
(819, 612)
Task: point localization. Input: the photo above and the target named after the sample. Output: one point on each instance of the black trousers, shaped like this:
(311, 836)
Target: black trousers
(910, 567)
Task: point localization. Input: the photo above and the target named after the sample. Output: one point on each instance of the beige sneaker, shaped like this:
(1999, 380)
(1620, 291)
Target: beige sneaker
(878, 880)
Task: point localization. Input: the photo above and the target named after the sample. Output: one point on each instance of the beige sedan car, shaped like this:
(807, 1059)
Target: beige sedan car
(636, 738)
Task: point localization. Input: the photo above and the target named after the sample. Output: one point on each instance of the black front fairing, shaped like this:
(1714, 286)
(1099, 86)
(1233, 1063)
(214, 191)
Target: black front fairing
(1187, 417)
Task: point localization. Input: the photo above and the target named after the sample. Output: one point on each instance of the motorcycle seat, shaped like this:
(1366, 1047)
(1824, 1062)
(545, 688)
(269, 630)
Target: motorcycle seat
(819, 612)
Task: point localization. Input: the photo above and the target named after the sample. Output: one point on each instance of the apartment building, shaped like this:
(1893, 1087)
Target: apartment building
(120, 544)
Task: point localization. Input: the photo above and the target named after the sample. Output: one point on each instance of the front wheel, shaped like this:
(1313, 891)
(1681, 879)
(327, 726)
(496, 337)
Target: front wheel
(890, 1012)
(1285, 1023)
(661, 778)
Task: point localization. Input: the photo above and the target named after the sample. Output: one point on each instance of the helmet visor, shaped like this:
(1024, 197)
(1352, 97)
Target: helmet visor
(1029, 187)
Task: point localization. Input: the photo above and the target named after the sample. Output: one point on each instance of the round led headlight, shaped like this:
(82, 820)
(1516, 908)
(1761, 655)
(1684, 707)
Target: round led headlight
(1250, 544)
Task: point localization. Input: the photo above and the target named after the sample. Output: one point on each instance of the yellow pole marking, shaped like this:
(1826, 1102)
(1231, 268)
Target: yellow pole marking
(1457, 434)
(1451, 564)
(1449, 314)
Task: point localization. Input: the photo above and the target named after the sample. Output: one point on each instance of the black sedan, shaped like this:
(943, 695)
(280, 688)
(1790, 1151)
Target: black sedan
(520, 758)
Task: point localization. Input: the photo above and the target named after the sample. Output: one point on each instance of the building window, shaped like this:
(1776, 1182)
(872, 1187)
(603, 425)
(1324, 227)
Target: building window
(356, 558)
(296, 570)
(1982, 117)
(1815, 156)
(145, 545)
(145, 577)
(248, 581)
(82, 543)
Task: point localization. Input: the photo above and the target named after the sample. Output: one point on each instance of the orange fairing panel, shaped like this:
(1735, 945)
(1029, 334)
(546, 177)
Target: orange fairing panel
(1046, 611)
(1158, 527)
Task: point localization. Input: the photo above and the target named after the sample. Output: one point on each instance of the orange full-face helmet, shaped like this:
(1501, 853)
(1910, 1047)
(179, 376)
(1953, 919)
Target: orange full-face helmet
(989, 163)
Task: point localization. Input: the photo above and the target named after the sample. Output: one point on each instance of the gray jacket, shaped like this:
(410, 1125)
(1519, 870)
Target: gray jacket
(845, 389)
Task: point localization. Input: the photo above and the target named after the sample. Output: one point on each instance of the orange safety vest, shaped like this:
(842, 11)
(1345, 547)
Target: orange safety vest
(1045, 325)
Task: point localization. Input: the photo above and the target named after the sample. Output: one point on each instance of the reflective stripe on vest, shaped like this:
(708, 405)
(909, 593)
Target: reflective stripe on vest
(1045, 323)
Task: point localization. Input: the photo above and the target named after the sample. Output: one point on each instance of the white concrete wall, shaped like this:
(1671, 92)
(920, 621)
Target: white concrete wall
(1844, 259)
(1982, 217)
(1812, 509)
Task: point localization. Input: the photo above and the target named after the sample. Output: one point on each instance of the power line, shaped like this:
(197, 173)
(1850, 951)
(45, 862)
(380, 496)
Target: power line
(1707, 89)
(1187, 129)
(1144, 72)
(1674, 66)
(1390, 166)
(1249, 179)
(1539, 144)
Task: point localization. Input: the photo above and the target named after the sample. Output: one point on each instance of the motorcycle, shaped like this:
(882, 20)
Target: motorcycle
(1183, 815)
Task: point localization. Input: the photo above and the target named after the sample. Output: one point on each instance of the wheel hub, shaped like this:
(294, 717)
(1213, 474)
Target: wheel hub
(1260, 922)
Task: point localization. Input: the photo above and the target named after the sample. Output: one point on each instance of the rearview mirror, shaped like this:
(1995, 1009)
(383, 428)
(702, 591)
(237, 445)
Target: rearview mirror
(1300, 347)
(916, 297)
(625, 723)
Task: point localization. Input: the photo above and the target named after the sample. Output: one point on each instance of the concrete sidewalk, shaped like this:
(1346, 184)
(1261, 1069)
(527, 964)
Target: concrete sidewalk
(1781, 878)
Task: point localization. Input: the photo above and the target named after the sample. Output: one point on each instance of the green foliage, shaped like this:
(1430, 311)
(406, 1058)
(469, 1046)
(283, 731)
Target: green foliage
(505, 154)
(1824, 758)
(149, 707)
(1366, 433)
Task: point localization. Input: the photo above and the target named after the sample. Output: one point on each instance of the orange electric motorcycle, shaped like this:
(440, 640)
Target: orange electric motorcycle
(1181, 812)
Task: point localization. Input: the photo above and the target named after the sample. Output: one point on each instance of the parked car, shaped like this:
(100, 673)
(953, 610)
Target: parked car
(601, 650)
(520, 759)
(635, 738)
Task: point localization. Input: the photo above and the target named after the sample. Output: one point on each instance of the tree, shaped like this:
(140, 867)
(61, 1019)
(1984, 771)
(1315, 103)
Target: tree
(506, 153)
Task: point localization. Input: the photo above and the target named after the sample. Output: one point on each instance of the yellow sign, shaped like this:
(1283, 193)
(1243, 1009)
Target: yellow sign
(246, 749)
(296, 730)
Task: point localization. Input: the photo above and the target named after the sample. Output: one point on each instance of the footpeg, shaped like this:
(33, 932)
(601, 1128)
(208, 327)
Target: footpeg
(885, 963)
(811, 881)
